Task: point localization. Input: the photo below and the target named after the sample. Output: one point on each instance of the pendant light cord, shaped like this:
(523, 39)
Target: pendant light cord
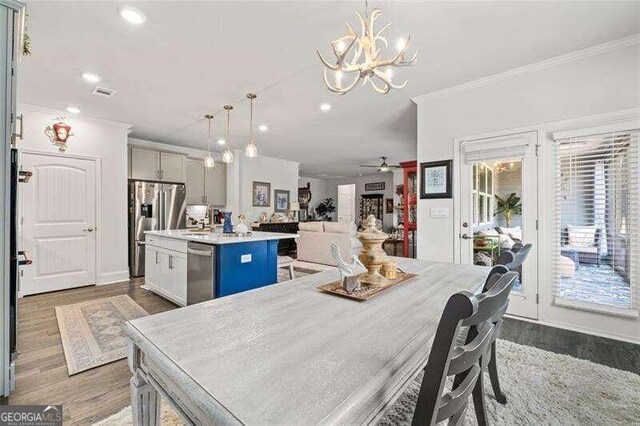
(251, 121)
(209, 138)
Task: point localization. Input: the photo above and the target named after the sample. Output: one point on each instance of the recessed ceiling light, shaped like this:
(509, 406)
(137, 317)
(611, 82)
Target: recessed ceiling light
(325, 107)
(73, 110)
(221, 141)
(132, 15)
(263, 127)
(91, 77)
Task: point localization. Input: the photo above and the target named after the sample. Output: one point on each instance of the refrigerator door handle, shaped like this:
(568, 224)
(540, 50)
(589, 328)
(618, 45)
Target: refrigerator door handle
(161, 217)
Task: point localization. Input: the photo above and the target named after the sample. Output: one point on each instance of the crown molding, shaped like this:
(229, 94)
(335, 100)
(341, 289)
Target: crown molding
(589, 52)
(80, 117)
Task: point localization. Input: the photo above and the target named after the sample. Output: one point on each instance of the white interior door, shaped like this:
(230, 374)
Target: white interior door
(58, 207)
(491, 169)
(346, 203)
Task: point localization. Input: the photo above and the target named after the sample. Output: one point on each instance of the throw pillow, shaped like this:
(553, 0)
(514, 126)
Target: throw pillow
(582, 236)
(514, 232)
(311, 226)
(337, 227)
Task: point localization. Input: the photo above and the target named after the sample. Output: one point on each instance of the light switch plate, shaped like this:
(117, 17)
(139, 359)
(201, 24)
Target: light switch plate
(439, 212)
(245, 258)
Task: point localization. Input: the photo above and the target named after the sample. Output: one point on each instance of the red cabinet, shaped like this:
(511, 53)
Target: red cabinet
(410, 210)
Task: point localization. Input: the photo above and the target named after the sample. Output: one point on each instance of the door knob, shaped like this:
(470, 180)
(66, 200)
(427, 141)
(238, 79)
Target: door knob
(89, 229)
(465, 237)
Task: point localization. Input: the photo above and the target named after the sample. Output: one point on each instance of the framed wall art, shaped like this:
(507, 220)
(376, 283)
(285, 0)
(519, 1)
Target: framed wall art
(282, 200)
(388, 205)
(261, 194)
(435, 179)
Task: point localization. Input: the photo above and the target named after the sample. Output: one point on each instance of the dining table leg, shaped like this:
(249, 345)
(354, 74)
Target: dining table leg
(145, 400)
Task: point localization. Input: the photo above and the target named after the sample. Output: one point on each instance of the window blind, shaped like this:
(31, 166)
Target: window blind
(597, 218)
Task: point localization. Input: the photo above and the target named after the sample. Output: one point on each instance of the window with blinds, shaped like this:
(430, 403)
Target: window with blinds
(597, 216)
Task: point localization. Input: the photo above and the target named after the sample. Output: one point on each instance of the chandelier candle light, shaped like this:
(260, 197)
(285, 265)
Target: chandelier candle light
(360, 56)
(227, 155)
(208, 160)
(251, 150)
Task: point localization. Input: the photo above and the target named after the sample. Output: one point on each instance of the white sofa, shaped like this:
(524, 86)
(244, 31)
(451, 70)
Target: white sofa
(316, 238)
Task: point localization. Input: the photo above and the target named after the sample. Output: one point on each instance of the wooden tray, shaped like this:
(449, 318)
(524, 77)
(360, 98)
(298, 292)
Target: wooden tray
(367, 292)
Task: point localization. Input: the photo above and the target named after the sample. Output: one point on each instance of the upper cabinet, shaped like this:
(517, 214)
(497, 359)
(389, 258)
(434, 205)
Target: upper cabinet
(215, 185)
(195, 181)
(145, 164)
(173, 167)
(149, 164)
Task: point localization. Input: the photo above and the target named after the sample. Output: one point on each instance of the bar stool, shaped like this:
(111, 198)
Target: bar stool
(286, 262)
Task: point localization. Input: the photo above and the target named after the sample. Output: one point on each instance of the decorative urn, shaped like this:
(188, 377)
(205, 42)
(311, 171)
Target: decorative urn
(372, 256)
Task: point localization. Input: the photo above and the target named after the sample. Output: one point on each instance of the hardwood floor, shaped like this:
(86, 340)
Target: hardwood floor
(42, 377)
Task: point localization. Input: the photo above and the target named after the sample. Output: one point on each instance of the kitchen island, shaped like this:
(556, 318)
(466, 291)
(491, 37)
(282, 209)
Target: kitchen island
(187, 266)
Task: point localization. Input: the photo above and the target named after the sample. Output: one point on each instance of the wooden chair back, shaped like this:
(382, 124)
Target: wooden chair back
(448, 358)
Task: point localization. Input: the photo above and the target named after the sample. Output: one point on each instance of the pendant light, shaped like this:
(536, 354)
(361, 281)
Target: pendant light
(208, 160)
(227, 155)
(251, 150)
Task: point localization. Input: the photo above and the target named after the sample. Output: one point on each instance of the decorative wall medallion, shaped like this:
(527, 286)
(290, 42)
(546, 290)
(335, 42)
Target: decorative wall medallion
(59, 133)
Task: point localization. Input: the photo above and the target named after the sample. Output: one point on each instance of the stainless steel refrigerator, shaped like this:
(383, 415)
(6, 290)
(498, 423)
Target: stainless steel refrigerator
(152, 206)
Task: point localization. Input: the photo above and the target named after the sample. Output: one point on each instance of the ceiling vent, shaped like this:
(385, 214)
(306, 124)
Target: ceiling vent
(103, 91)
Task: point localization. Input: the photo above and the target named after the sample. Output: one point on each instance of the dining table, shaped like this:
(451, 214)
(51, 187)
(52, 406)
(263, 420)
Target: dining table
(290, 354)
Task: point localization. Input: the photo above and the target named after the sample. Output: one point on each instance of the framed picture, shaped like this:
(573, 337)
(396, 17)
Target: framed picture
(388, 205)
(374, 186)
(435, 179)
(282, 200)
(261, 194)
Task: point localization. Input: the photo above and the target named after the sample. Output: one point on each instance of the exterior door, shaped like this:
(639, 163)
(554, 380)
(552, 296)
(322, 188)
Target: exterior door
(58, 222)
(498, 207)
(346, 203)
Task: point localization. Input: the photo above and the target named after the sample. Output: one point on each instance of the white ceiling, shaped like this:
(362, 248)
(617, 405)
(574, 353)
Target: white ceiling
(190, 58)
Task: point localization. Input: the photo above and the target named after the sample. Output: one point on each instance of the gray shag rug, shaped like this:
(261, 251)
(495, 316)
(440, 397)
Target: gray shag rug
(542, 388)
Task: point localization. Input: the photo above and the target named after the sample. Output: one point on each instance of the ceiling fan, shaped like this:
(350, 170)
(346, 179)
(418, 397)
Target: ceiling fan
(384, 167)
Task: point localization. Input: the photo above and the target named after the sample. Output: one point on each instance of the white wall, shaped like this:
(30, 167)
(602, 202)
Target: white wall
(360, 181)
(108, 142)
(321, 189)
(281, 174)
(607, 82)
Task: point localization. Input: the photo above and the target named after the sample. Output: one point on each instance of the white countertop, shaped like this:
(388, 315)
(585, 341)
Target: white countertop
(219, 238)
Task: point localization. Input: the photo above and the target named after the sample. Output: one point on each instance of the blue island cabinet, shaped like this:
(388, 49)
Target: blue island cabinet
(245, 266)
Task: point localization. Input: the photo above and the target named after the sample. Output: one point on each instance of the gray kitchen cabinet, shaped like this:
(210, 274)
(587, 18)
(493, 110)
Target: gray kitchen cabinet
(172, 167)
(195, 181)
(215, 185)
(149, 164)
(145, 164)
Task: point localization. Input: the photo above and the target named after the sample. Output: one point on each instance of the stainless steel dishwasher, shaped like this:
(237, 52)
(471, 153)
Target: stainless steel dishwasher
(201, 280)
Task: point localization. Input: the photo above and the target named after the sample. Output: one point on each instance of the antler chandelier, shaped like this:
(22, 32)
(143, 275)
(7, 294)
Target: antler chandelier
(360, 56)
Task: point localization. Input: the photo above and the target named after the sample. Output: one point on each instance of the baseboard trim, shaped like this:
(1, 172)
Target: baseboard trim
(113, 277)
(583, 330)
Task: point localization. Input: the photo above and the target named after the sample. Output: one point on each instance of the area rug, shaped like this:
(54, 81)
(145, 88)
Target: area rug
(92, 331)
(544, 388)
(541, 388)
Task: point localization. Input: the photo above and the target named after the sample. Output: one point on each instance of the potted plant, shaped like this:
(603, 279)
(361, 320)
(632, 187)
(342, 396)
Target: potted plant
(508, 207)
(325, 208)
